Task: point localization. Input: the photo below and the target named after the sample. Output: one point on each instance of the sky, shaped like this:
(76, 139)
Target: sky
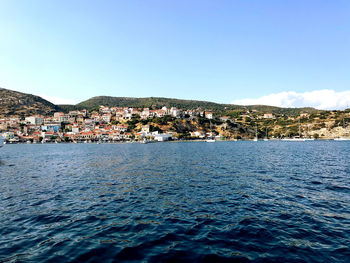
(284, 53)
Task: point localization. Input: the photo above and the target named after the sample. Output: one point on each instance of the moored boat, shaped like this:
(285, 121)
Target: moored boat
(294, 139)
(1, 141)
(342, 139)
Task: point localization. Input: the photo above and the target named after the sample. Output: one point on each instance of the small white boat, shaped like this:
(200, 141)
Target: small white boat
(342, 139)
(294, 139)
(1, 141)
(256, 134)
(210, 140)
(266, 137)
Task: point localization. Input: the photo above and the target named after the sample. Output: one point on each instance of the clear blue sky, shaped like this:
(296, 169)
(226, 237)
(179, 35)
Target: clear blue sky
(207, 50)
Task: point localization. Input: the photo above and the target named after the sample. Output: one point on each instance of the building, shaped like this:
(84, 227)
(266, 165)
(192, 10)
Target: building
(174, 112)
(224, 118)
(51, 127)
(35, 120)
(209, 115)
(120, 127)
(269, 116)
(162, 137)
(106, 117)
(75, 129)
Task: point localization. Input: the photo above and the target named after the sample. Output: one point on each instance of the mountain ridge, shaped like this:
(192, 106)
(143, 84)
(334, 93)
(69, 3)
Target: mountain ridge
(14, 103)
(111, 101)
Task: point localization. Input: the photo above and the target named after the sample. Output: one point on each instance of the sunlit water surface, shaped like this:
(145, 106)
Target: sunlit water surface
(181, 202)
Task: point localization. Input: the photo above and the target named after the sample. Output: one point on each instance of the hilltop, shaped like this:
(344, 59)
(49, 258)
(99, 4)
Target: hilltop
(13, 103)
(158, 102)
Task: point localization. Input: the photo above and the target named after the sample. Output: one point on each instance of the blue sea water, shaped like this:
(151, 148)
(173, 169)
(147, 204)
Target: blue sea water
(176, 202)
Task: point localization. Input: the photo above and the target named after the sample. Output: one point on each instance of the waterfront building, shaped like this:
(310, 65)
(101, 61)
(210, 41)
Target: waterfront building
(162, 137)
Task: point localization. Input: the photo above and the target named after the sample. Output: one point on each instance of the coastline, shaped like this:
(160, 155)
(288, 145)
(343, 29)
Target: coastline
(175, 141)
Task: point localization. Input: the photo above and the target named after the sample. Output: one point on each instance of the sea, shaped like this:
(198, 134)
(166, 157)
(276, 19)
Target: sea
(273, 201)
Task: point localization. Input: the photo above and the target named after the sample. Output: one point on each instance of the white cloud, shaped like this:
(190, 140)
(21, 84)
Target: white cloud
(58, 100)
(325, 99)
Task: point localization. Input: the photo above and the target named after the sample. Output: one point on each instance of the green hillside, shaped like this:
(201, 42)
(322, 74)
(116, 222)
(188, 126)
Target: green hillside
(157, 102)
(13, 103)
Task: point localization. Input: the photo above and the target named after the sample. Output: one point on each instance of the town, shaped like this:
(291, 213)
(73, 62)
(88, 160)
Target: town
(126, 124)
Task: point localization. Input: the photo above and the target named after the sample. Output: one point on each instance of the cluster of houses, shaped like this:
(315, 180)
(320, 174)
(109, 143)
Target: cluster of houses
(108, 124)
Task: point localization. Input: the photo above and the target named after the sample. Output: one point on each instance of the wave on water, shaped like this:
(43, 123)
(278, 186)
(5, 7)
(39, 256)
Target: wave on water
(175, 202)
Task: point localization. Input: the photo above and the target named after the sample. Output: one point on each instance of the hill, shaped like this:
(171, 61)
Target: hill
(157, 102)
(13, 103)
(147, 102)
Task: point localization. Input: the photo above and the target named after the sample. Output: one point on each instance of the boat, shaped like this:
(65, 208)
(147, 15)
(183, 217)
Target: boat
(210, 139)
(346, 134)
(309, 138)
(295, 139)
(342, 139)
(267, 137)
(256, 134)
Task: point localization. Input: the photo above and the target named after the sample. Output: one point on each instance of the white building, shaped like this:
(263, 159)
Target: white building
(162, 137)
(208, 115)
(75, 129)
(106, 117)
(269, 116)
(174, 112)
(35, 120)
(120, 127)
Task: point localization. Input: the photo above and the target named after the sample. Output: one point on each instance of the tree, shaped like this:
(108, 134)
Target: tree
(155, 128)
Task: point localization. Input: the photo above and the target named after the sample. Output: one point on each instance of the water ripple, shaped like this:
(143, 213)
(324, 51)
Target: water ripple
(175, 202)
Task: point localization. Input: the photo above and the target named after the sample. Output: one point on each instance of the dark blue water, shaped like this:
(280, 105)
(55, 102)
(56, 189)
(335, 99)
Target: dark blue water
(176, 202)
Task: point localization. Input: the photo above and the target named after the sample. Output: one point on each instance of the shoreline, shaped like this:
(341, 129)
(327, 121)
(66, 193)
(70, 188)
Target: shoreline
(174, 141)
